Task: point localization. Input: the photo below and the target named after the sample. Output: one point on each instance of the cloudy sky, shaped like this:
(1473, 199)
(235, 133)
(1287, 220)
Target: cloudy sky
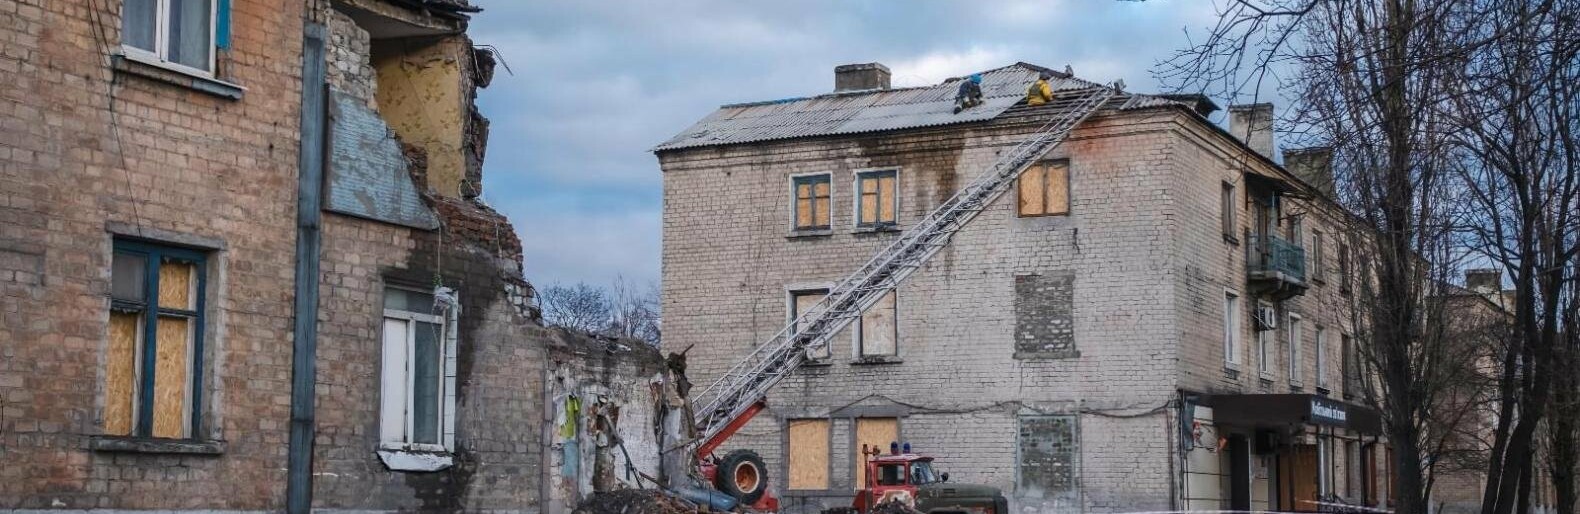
(596, 84)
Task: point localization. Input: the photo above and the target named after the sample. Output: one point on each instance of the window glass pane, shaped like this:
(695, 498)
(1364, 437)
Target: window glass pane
(820, 212)
(803, 191)
(400, 299)
(128, 273)
(138, 23)
(176, 283)
(425, 366)
(120, 374)
(172, 382)
(392, 396)
(189, 42)
(822, 187)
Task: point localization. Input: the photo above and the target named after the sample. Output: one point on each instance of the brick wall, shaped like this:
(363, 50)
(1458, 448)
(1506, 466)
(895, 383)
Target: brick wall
(728, 262)
(170, 163)
(1142, 246)
(198, 170)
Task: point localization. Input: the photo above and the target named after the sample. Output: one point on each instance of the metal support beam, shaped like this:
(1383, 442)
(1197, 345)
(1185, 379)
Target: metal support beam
(309, 198)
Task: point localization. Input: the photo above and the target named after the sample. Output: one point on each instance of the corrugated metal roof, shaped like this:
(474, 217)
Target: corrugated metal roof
(876, 110)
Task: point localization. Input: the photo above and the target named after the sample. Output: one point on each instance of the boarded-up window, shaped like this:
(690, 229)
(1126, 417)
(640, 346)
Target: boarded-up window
(800, 303)
(154, 355)
(1044, 315)
(877, 200)
(873, 433)
(1047, 457)
(811, 201)
(1045, 190)
(809, 451)
(877, 334)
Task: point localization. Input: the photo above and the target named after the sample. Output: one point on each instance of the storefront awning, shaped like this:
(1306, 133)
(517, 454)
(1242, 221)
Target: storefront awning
(1270, 410)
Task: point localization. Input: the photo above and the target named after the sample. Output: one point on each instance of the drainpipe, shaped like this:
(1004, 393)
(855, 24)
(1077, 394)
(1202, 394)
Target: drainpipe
(304, 347)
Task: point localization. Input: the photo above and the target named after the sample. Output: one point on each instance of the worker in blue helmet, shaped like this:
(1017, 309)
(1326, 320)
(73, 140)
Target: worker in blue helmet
(970, 93)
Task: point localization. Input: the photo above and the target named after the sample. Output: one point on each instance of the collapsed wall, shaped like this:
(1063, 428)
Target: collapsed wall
(532, 416)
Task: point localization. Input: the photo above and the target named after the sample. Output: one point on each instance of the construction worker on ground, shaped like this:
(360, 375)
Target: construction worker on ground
(1039, 93)
(969, 94)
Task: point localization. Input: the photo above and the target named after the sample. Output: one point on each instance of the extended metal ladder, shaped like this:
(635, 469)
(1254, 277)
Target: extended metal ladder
(749, 380)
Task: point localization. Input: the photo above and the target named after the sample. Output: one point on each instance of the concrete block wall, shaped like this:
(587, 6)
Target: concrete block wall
(728, 262)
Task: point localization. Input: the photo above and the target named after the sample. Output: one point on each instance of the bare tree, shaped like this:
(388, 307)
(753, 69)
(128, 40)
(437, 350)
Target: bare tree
(1517, 117)
(624, 309)
(636, 311)
(1367, 78)
(580, 307)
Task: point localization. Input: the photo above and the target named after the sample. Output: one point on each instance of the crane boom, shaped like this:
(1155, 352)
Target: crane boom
(737, 395)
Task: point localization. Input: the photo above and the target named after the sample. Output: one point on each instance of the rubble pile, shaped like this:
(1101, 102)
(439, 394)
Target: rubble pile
(635, 501)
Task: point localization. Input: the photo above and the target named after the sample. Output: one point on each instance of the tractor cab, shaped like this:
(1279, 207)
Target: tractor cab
(910, 479)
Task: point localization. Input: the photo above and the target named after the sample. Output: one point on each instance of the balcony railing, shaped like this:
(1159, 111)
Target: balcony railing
(1272, 255)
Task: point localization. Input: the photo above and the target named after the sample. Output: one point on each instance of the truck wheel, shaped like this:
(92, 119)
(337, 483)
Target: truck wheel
(742, 475)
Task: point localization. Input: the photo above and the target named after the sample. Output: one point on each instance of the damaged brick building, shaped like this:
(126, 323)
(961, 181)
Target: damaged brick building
(1154, 318)
(244, 265)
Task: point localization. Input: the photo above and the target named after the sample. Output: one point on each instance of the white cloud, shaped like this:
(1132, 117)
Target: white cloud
(563, 246)
(933, 67)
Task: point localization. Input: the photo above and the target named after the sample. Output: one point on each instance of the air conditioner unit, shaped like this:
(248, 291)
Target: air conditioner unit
(1266, 318)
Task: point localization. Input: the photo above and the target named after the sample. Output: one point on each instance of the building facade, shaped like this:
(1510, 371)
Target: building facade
(1154, 318)
(163, 166)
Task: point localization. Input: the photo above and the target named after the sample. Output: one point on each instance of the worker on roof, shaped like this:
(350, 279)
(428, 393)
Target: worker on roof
(970, 93)
(1040, 93)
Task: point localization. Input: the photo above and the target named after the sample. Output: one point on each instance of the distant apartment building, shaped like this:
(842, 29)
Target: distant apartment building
(1156, 317)
(164, 166)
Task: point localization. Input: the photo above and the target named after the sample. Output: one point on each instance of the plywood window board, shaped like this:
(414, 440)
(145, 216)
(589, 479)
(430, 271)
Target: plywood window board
(879, 334)
(810, 201)
(153, 356)
(800, 303)
(809, 453)
(1044, 190)
(873, 433)
(877, 197)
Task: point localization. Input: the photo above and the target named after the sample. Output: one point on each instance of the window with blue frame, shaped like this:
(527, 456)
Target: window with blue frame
(180, 33)
(154, 367)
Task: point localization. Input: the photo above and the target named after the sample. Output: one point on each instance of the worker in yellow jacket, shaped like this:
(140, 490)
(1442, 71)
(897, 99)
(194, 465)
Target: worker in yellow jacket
(1039, 93)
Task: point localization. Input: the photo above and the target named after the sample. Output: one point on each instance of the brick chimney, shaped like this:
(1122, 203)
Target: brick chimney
(857, 77)
(1313, 165)
(1253, 124)
(1484, 281)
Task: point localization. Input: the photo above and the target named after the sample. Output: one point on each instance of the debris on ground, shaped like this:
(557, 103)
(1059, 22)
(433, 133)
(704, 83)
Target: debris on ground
(635, 501)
